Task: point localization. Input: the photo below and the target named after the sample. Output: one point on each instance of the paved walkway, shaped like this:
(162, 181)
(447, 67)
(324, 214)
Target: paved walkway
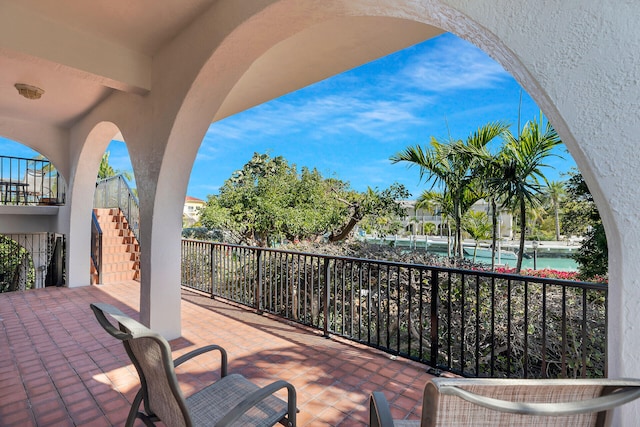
(59, 368)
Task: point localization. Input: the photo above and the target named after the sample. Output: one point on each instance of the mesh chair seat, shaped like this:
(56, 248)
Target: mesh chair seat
(231, 401)
(209, 404)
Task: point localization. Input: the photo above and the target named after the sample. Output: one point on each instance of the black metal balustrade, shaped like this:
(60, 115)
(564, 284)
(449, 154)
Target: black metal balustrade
(471, 323)
(114, 192)
(31, 261)
(26, 181)
(96, 245)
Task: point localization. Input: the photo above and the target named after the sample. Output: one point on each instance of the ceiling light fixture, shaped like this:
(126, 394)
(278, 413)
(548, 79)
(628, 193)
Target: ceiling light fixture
(28, 91)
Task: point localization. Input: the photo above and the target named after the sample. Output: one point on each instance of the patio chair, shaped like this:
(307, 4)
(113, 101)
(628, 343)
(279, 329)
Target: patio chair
(512, 402)
(232, 400)
(36, 183)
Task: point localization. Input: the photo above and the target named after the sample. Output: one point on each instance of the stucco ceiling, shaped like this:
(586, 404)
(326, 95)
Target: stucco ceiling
(80, 52)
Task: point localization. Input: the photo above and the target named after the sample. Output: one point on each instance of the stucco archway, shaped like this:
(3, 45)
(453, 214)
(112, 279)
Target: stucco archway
(561, 54)
(80, 201)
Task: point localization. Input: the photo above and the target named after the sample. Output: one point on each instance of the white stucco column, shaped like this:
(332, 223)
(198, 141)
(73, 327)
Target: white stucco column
(578, 60)
(88, 144)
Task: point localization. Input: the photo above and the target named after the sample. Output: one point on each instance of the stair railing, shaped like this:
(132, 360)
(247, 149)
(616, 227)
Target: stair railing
(96, 245)
(114, 192)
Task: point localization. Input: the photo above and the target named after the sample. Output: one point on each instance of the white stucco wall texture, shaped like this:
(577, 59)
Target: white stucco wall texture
(577, 58)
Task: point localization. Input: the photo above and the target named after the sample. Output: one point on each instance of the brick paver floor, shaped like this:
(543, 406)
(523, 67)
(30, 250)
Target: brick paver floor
(59, 368)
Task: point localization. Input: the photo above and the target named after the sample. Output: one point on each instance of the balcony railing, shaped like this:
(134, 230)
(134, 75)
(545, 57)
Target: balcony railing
(96, 246)
(114, 192)
(30, 182)
(471, 323)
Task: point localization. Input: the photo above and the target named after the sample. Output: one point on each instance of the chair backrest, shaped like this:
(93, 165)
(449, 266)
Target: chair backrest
(37, 182)
(150, 353)
(513, 402)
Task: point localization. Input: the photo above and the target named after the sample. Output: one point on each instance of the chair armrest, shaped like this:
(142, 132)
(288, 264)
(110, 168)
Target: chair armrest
(618, 397)
(257, 396)
(99, 309)
(223, 355)
(379, 411)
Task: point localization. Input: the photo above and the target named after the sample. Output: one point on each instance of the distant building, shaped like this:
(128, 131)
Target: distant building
(191, 211)
(415, 218)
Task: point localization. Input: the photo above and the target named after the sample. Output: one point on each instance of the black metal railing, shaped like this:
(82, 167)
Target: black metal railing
(31, 261)
(472, 323)
(26, 181)
(114, 192)
(96, 245)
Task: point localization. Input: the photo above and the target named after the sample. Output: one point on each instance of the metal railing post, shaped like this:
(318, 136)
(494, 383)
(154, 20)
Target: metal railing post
(259, 282)
(213, 270)
(326, 298)
(434, 318)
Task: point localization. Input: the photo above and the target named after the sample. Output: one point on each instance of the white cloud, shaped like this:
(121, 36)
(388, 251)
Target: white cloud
(453, 64)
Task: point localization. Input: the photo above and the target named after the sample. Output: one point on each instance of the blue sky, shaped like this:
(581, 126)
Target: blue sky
(349, 125)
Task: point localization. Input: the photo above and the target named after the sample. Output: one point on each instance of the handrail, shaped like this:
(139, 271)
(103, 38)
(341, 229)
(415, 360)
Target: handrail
(96, 245)
(472, 323)
(115, 192)
(28, 181)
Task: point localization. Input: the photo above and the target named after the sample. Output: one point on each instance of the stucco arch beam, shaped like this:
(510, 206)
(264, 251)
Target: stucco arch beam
(193, 76)
(87, 56)
(119, 113)
(50, 141)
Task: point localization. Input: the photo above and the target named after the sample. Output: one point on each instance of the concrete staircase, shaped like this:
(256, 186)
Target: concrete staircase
(120, 248)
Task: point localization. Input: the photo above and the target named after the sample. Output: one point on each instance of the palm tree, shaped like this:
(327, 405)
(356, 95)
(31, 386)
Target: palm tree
(428, 228)
(105, 170)
(478, 226)
(519, 170)
(555, 192)
(447, 163)
(434, 201)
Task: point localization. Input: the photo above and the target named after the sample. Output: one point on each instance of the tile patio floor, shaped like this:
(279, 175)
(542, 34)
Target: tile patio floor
(59, 368)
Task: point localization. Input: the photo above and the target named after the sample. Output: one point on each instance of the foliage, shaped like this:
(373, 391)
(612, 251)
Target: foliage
(486, 325)
(378, 211)
(477, 225)
(555, 193)
(518, 170)
(105, 170)
(429, 228)
(16, 268)
(203, 233)
(268, 200)
(448, 163)
(581, 211)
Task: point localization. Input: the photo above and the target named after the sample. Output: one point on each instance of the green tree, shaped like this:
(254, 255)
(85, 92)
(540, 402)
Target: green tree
(105, 170)
(580, 210)
(478, 226)
(16, 270)
(268, 200)
(381, 206)
(441, 204)
(555, 192)
(518, 171)
(449, 164)
(429, 228)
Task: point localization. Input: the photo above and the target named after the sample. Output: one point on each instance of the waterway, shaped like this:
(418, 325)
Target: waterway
(561, 264)
(547, 259)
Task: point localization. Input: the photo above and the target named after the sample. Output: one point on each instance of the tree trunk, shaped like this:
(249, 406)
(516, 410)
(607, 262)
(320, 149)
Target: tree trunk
(523, 229)
(494, 231)
(557, 213)
(458, 239)
(448, 240)
(344, 232)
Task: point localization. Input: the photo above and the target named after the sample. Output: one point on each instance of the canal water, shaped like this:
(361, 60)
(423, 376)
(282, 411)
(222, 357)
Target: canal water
(561, 263)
